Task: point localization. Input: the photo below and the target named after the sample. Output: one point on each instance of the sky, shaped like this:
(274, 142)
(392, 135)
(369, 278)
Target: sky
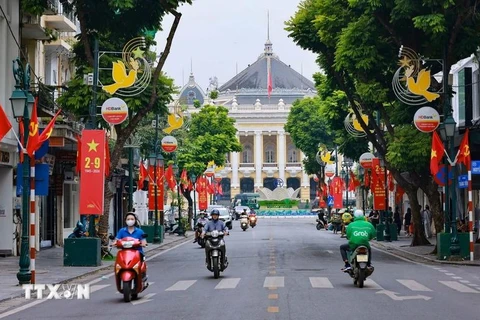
(215, 35)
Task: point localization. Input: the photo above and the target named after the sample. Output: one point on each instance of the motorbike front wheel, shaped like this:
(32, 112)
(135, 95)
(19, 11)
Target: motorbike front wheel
(127, 291)
(361, 277)
(216, 268)
(319, 227)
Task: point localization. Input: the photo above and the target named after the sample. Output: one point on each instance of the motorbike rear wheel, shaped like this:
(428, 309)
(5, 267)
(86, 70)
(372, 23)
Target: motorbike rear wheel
(216, 268)
(127, 291)
(319, 227)
(361, 277)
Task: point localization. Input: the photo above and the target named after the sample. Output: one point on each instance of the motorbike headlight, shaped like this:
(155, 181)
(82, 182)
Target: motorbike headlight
(215, 233)
(117, 268)
(127, 244)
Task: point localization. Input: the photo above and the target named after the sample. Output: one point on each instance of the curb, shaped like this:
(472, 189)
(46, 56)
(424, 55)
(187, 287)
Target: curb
(105, 268)
(412, 256)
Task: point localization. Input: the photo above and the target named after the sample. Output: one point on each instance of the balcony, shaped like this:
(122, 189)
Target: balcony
(62, 21)
(58, 45)
(31, 28)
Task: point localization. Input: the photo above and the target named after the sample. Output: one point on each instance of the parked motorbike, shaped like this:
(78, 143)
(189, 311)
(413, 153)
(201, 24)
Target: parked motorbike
(244, 222)
(253, 221)
(130, 270)
(78, 232)
(320, 224)
(215, 252)
(358, 260)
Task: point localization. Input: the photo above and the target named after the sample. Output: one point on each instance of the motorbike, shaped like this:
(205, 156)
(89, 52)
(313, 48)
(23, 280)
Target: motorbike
(130, 270)
(358, 260)
(200, 240)
(78, 232)
(253, 221)
(244, 222)
(320, 224)
(215, 253)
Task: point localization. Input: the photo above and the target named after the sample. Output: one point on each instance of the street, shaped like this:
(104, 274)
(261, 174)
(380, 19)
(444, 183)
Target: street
(281, 269)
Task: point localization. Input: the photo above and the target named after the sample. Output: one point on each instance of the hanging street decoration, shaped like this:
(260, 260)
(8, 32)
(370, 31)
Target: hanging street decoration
(132, 73)
(426, 119)
(352, 125)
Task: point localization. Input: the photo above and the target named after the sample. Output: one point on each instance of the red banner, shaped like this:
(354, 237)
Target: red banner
(151, 188)
(92, 171)
(378, 185)
(203, 200)
(337, 192)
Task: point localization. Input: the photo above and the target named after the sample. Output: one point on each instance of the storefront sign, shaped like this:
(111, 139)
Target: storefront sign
(92, 172)
(426, 119)
(114, 111)
(160, 189)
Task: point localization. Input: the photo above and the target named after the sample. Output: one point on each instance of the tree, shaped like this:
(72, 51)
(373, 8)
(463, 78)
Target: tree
(358, 42)
(114, 23)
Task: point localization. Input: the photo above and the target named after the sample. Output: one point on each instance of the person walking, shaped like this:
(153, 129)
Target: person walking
(397, 219)
(408, 221)
(427, 221)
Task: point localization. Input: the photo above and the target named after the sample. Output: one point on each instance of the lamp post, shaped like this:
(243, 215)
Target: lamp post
(450, 125)
(361, 172)
(386, 215)
(346, 167)
(22, 105)
(193, 178)
(180, 231)
(156, 160)
(321, 179)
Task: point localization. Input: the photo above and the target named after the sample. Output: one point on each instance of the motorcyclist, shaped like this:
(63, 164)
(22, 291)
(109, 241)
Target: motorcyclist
(202, 220)
(79, 231)
(346, 219)
(215, 224)
(244, 214)
(359, 233)
(321, 217)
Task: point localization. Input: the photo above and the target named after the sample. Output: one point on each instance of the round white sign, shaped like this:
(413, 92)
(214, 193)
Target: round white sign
(169, 144)
(366, 160)
(114, 111)
(426, 119)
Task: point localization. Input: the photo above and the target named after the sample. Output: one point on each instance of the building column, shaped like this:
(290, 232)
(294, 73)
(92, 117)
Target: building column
(305, 179)
(281, 142)
(258, 159)
(235, 166)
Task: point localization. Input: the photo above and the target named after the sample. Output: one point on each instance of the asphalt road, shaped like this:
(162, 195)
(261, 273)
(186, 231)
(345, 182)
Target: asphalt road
(281, 269)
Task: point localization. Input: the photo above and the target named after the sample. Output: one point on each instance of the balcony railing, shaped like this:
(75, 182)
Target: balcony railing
(247, 165)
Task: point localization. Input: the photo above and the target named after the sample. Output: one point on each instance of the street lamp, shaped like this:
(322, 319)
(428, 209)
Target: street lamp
(386, 215)
(450, 125)
(22, 105)
(346, 167)
(180, 231)
(193, 178)
(361, 172)
(155, 160)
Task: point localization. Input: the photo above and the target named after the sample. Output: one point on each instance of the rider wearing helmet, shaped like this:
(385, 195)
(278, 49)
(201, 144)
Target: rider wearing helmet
(359, 233)
(215, 224)
(202, 220)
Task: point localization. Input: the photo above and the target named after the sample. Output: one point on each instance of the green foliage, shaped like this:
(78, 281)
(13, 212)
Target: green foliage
(211, 136)
(213, 94)
(34, 7)
(409, 150)
(286, 203)
(197, 104)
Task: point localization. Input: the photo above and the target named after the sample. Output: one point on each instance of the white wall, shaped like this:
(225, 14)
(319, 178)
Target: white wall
(6, 210)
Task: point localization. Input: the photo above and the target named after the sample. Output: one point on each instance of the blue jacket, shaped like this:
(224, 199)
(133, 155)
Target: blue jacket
(212, 225)
(137, 234)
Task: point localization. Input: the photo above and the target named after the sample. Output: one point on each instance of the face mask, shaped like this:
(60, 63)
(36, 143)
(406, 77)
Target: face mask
(130, 223)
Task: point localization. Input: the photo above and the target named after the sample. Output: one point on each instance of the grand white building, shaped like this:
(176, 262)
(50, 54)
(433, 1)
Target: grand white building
(269, 157)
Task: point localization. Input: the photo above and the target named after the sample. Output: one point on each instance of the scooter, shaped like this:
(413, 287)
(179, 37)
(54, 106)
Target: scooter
(253, 221)
(358, 260)
(244, 223)
(130, 270)
(320, 224)
(215, 253)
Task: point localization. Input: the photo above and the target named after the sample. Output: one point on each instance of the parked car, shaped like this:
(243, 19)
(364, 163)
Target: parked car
(224, 215)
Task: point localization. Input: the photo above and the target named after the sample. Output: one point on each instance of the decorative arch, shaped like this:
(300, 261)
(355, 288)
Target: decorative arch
(247, 153)
(270, 156)
(247, 185)
(292, 154)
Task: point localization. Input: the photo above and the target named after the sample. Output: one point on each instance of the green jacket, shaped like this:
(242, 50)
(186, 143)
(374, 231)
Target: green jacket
(360, 232)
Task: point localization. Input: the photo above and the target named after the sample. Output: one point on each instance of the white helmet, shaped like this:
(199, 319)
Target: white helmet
(358, 213)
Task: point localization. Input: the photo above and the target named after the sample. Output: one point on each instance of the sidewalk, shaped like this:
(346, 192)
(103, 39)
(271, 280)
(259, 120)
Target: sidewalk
(50, 269)
(402, 248)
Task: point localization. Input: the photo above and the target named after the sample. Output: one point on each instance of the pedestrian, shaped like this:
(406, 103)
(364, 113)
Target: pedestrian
(408, 222)
(374, 218)
(397, 220)
(427, 221)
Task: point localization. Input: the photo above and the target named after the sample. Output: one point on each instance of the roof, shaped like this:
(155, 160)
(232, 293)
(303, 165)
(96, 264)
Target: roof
(191, 92)
(255, 76)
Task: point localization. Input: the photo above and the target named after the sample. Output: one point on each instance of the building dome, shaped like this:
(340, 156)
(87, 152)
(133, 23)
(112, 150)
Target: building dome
(191, 92)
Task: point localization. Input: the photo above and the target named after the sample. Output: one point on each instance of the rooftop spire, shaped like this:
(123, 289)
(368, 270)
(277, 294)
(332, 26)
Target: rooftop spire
(268, 43)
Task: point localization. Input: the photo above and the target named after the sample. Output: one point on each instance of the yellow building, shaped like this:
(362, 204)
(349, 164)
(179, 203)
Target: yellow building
(269, 158)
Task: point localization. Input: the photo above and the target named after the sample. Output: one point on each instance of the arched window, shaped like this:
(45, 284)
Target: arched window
(247, 154)
(270, 153)
(191, 97)
(292, 154)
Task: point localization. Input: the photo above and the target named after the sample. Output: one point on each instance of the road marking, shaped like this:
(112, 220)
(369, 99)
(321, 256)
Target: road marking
(442, 270)
(393, 296)
(278, 282)
(370, 284)
(272, 288)
(457, 278)
(24, 307)
(320, 282)
(413, 285)
(458, 286)
(330, 251)
(181, 285)
(472, 285)
(273, 296)
(464, 281)
(272, 309)
(450, 274)
(144, 299)
(98, 287)
(273, 272)
(228, 283)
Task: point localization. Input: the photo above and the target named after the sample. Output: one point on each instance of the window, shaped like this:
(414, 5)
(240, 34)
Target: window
(269, 153)
(461, 95)
(292, 154)
(247, 154)
(191, 96)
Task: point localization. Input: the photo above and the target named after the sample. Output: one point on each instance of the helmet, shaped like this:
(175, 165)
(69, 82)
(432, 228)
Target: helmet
(215, 211)
(358, 213)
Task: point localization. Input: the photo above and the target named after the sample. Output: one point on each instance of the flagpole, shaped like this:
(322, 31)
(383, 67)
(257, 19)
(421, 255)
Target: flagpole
(33, 250)
(470, 213)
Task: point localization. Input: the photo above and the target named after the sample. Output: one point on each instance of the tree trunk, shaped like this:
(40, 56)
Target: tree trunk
(103, 221)
(434, 199)
(187, 196)
(419, 238)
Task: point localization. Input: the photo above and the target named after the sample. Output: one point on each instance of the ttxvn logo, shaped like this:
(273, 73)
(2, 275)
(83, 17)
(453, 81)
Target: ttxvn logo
(57, 291)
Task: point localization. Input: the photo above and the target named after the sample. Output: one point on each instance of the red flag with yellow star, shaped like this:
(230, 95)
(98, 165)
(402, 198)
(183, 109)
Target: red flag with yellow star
(47, 132)
(142, 175)
(437, 153)
(92, 171)
(464, 151)
(170, 177)
(33, 131)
